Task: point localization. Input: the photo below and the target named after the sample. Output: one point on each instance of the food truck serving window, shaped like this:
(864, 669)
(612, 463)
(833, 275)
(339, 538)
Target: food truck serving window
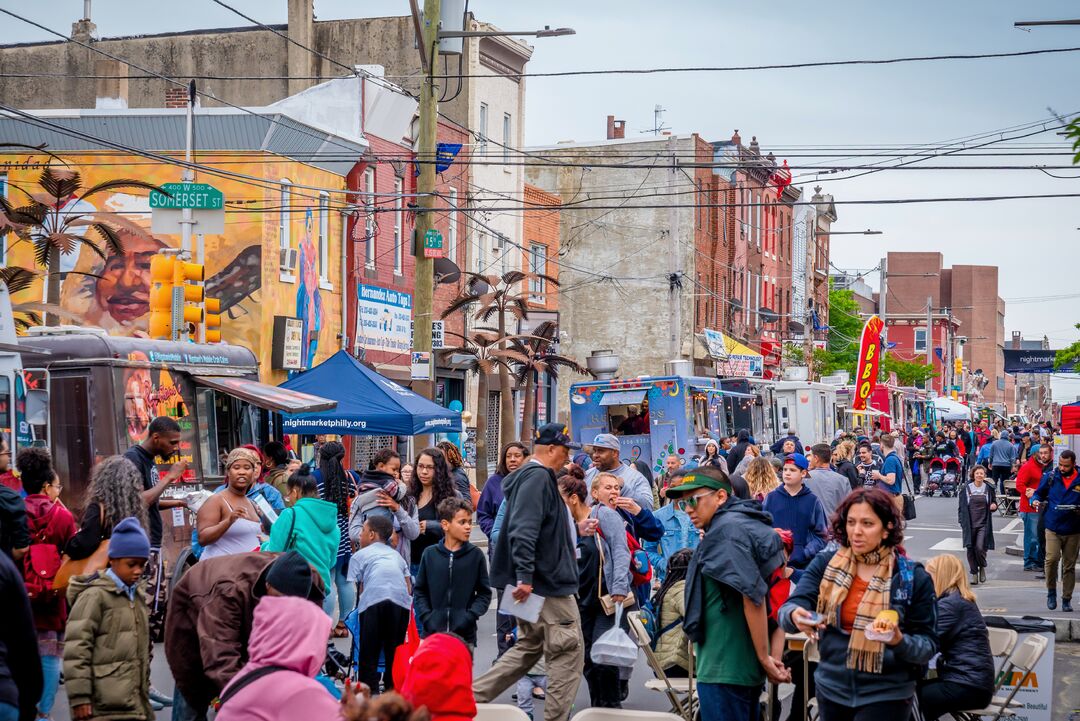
(621, 398)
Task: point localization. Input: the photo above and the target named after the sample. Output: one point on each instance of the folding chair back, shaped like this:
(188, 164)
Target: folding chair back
(1002, 641)
(618, 714)
(499, 712)
(1029, 652)
(680, 693)
(1023, 659)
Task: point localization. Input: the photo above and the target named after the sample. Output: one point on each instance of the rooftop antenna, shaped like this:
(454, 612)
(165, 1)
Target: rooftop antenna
(658, 122)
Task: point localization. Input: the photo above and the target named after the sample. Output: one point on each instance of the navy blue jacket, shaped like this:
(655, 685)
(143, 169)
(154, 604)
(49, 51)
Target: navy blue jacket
(644, 526)
(965, 645)
(1052, 489)
(803, 515)
(779, 445)
(452, 590)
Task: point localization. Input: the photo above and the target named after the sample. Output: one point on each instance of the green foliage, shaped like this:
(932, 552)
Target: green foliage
(908, 373)
(1071, 354)
(845, 328)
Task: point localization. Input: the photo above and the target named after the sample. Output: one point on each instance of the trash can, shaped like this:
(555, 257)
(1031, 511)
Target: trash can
(1037, 692)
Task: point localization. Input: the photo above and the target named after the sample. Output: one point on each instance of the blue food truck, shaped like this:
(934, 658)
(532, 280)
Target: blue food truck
(652, 416)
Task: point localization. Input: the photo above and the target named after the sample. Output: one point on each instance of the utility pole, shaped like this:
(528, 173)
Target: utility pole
(929, 331)
(675, 281)
(425, 188)
(808, 284)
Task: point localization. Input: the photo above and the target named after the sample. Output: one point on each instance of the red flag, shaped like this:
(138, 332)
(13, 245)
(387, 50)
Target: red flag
(869, 357)
(782, 178)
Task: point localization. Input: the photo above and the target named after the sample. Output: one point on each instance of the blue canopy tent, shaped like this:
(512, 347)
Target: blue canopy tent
(368, 404)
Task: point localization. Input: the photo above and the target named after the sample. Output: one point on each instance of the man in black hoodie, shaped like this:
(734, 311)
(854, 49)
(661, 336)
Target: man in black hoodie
(20, 667)
(535, 552)
(726, 588)
(452, 589)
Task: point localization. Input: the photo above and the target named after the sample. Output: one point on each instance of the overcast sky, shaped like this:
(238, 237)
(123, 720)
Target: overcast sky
(1034, 242)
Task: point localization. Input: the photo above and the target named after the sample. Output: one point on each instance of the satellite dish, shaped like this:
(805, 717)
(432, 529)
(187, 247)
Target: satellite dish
(446, 271)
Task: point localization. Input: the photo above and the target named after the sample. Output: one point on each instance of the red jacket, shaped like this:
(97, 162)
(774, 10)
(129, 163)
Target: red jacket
(440, 678)
(50, 614)
(1029, 476)
(10, 480)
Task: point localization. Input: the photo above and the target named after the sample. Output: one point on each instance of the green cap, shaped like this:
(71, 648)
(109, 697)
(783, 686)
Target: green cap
(694, 481)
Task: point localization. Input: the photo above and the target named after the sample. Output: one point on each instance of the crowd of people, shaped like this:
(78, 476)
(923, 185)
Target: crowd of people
(718, 557)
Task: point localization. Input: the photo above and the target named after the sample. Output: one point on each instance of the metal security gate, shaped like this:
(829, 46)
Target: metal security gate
(493, 429)
(364, 449)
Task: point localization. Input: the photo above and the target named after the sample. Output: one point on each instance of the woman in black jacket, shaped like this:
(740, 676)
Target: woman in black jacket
(977, 502)
(965, 669)
(735, 455)
(115, 494)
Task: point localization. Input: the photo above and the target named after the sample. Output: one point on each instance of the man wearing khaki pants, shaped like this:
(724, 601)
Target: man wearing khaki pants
(1060, 491)
(535, 552)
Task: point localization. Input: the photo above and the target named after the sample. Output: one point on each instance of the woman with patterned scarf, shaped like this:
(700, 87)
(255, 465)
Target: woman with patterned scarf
(867, 589)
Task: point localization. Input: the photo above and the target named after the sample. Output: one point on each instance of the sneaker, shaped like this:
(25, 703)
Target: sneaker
(1040, 575)
(1051, 600)
(156, 705)
(982, 575)
(1032, 568)
(161, 698)
(1066, 605)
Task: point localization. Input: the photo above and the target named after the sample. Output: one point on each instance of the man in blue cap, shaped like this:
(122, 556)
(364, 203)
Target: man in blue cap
(536, 552)
(726, 587)
(605, 457)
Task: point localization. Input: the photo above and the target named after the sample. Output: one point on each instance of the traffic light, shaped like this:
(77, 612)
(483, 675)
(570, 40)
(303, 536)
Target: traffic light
(186, 296)
(958, 366)
(161, 297)
(213, 320)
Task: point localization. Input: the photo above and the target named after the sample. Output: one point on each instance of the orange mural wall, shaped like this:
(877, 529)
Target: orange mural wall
(241, 265)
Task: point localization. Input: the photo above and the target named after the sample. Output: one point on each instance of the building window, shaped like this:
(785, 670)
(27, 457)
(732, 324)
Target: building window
(369, 221)
(284, 199)
(498, 253)
(920, 340)
(537, 265)
(398, 218)
(324, 239)
(483, 126)
(507, 137)
(451, 236)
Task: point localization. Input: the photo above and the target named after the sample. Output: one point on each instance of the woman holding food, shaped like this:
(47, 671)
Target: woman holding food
(871, 609)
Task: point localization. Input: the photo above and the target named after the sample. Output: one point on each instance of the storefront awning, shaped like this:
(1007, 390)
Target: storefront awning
(271, 398)
(623, 397)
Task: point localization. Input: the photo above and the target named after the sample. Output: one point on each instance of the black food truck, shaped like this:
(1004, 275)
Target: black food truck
(102, 391)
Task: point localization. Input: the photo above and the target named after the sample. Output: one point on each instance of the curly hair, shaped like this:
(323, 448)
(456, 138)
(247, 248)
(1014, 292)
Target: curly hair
(882, 505)
(116, 486)
(35, 468)
(442, 487)
(453, 455)
(760, 477)
(844, 451)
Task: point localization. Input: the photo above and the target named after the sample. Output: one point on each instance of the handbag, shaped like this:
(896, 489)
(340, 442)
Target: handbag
(909, 501)
(607, 603)
(96, 561)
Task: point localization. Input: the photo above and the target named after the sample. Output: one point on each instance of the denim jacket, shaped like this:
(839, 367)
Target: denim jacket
(679, 533)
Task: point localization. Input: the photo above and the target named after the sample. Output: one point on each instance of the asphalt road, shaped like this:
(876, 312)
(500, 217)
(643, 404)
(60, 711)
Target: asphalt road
(1008, 591)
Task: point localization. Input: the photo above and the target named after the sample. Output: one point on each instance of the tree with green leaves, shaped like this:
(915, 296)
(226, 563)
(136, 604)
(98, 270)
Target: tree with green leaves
(535, 356)
(42, 222)
(1069, 356)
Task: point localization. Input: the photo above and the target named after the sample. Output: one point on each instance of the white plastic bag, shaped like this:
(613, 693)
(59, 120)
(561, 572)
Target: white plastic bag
(615, 647)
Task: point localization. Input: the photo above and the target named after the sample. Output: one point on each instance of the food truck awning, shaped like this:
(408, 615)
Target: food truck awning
(368, 404)
(266, 396)
(867, 412)
(623, 397)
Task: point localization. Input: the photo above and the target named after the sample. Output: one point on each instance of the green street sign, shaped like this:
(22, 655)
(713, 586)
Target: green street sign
(433, 239)
(196, 196)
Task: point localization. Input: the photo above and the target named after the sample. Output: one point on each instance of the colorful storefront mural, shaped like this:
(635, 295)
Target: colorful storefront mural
(242, 264)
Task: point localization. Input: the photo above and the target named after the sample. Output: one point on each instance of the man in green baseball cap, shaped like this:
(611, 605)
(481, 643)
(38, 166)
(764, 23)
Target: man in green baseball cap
(726, 586)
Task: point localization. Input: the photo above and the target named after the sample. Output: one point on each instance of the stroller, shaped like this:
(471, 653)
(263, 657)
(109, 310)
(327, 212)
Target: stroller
(945, 474)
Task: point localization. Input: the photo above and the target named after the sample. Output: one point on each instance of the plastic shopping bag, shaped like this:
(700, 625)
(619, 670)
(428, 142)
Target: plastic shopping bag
(615, 647)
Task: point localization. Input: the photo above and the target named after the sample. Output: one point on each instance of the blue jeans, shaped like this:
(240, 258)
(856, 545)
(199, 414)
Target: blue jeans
(50, 672)
(1031, 539)
(183, 711)
(8, 712)
(341, 591)
(728, 702)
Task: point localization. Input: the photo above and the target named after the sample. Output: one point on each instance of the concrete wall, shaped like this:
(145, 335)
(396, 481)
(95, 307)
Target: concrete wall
(614, 262)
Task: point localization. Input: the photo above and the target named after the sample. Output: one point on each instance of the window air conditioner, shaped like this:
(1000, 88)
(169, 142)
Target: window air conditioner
(288, 259)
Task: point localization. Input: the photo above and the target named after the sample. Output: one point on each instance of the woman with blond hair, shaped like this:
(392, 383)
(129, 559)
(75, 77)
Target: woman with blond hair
(965, 669)
(761, 478)
(842, 461)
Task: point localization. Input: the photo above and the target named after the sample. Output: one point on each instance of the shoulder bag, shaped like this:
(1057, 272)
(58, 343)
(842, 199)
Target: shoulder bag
(96, 561)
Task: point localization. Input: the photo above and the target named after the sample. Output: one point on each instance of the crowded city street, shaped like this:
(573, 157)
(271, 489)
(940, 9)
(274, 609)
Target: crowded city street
(463, 360)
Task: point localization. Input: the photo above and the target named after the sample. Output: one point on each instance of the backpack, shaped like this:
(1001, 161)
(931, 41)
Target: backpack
(650, 621)
(42, 559)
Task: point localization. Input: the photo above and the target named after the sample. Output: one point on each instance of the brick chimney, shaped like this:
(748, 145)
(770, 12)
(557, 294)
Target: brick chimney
(176, 97)
(616, 129)
(1016, 337)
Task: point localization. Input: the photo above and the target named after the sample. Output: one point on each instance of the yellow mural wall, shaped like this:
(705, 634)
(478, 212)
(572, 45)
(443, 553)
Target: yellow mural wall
(241, 265)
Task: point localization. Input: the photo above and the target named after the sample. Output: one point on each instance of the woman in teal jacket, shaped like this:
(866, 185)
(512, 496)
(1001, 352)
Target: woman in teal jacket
(309, 526)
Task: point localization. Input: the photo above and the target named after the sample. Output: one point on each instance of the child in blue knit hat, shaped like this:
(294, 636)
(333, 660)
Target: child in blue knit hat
(107, 651)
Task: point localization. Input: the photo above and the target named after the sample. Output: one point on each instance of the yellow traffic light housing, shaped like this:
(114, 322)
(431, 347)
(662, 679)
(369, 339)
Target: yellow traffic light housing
(213, 320)
(161, 297)
(175, 297)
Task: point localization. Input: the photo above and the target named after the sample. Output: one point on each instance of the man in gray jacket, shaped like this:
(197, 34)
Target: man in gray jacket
(829, 486)
(535, 552)
(604, 451)
(1002, 455)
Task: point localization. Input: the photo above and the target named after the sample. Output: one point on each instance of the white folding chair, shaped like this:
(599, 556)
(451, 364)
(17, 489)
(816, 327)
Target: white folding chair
(1023, 659)
(499, 712)
(621, 714)
(679, 691)
(1002, 641)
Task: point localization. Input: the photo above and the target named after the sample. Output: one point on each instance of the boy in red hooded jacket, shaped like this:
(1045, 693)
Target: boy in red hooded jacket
(439, 677)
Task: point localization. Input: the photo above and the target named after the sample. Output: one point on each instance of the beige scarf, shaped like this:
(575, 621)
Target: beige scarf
(863, 654)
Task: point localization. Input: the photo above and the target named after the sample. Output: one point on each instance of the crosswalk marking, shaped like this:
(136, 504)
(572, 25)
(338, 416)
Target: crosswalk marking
(954, 543)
